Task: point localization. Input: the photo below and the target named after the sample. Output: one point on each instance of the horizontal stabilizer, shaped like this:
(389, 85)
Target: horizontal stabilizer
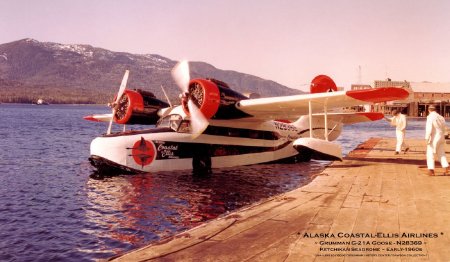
(358, 117)
(318, 149)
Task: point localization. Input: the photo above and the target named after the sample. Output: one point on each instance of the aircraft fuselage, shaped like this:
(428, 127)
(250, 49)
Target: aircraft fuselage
(225, 143)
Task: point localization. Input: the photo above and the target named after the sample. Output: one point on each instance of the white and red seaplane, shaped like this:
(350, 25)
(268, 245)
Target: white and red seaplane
(216, 127)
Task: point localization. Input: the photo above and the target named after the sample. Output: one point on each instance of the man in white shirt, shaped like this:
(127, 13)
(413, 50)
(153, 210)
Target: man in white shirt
(435, 138)
(399, 121)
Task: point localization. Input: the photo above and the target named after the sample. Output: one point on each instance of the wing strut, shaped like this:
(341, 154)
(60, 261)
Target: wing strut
(325, 109)
(325, 115)
(318, 148)
(310, 119)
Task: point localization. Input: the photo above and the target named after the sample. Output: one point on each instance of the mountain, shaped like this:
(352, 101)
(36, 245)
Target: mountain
(62, 73)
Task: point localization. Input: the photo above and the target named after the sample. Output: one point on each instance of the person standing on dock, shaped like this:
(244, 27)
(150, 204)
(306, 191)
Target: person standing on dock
(399, 121)
(435, 137)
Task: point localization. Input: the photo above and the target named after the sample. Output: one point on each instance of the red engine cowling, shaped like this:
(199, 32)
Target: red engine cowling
(138, 107)
(215, 99)
(322, 84)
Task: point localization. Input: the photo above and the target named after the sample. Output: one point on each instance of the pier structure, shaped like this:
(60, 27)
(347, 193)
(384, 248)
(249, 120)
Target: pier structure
(373, 206)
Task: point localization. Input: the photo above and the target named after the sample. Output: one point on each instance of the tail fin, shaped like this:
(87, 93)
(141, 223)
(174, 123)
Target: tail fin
(322, 84)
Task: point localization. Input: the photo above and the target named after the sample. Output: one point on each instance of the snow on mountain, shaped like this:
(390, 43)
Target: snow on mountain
(79, 49)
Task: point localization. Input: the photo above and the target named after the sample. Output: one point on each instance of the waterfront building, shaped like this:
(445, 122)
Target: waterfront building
(422, 94)
(427, 93)
(360, 87)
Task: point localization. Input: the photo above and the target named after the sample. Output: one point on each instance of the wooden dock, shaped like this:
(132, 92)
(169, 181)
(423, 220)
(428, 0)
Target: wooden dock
(373, 206)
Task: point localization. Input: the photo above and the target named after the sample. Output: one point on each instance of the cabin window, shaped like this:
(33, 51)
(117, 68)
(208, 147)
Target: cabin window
(184, 127)
(170, 121)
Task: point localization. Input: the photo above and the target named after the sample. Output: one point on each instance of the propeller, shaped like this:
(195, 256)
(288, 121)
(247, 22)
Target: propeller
(115, 104)
(181, 75)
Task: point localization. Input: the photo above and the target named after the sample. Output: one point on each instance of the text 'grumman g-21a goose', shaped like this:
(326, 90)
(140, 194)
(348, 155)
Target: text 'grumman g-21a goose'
(217, 127)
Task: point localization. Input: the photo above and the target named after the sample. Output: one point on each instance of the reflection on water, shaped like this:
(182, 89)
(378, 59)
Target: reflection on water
(134, 210)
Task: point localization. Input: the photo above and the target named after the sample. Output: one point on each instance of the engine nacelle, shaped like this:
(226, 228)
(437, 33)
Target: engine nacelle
(215, 99)
(138, 107)
(322, 84)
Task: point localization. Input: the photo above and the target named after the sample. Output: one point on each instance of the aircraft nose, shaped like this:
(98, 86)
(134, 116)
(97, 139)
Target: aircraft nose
(109, 148)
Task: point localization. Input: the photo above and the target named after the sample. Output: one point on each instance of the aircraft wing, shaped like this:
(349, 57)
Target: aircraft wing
(289, 107)
(358, 117)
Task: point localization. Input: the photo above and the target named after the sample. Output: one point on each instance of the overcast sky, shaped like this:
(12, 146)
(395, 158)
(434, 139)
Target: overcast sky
(289, 42)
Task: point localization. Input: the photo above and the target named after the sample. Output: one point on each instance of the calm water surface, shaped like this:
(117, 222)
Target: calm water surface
(54, 207)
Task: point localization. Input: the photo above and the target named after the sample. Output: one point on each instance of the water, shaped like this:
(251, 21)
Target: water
(53, 207)
(355, 134)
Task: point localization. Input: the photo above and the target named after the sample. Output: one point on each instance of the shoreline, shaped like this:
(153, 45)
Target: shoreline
(7, 103)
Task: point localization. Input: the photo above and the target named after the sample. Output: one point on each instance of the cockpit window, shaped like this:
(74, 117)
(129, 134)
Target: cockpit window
(170, 121)
(184, 127)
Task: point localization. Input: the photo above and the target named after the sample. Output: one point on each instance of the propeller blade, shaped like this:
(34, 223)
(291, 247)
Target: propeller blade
(181, 75)
(198, 121)
(110, 122)
(122, 88)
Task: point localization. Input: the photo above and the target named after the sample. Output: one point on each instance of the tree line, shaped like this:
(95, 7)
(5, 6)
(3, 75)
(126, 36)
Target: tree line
(29, 95)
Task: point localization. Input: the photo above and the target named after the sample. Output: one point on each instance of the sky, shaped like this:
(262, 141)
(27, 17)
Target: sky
(287, 41)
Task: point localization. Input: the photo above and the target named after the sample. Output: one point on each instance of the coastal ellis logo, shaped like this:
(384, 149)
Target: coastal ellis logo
(143, 152)
(167, 150)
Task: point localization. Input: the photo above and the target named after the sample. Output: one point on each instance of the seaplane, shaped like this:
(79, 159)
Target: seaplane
(215, 126)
